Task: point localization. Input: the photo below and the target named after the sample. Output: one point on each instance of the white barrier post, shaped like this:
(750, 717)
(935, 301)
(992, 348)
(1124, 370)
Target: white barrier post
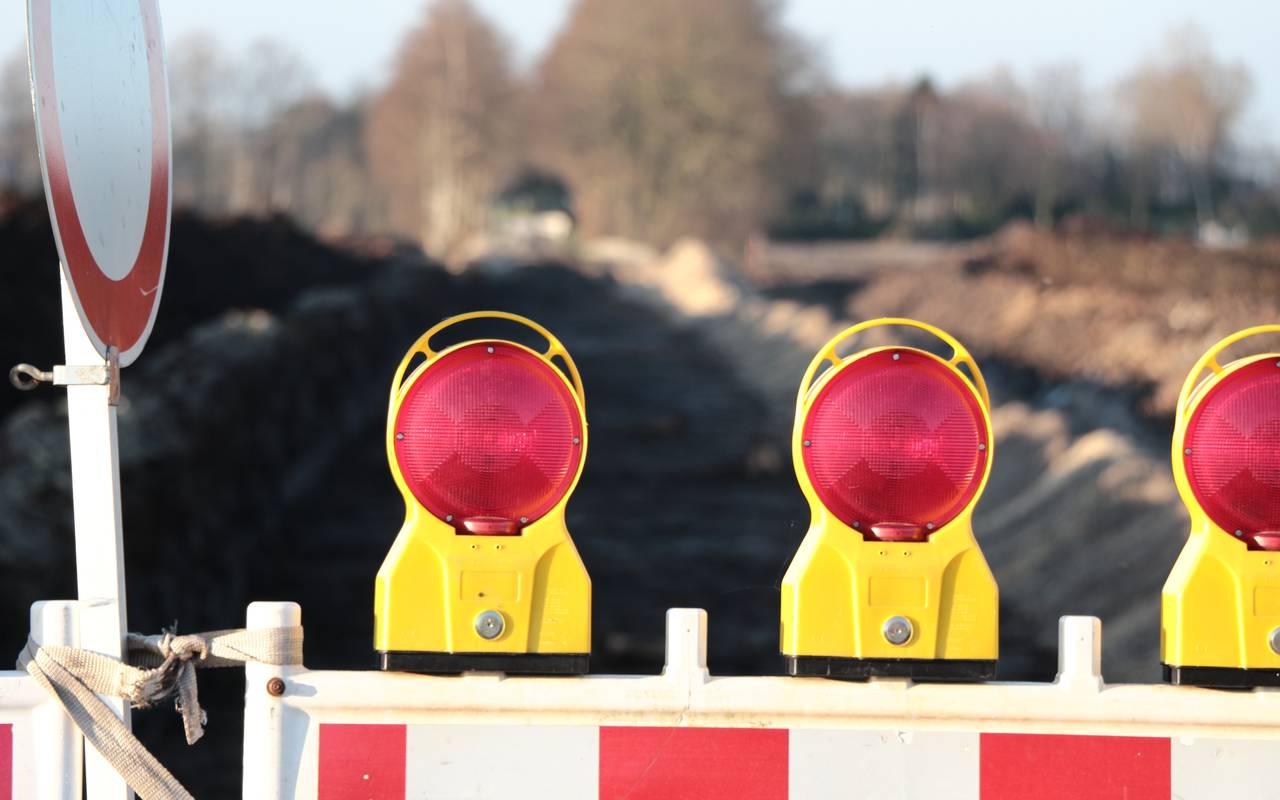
(1080, 653)
(59, 748)
(687, 646)
(264, 724)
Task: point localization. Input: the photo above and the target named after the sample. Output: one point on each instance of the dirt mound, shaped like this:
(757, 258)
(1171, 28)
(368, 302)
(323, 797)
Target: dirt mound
(1140, 263)
(1128, 313)
(690, 278)
(1120, 335)
(214, 265)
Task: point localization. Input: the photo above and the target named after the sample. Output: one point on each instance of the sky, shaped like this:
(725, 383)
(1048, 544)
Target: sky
(350, 45)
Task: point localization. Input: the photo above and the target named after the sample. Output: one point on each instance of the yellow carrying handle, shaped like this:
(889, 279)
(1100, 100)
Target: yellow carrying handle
(1209, 361)
(959, 355)
(423, 347)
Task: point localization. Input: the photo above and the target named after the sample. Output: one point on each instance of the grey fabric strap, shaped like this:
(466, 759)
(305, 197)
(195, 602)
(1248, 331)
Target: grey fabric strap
(158, 667)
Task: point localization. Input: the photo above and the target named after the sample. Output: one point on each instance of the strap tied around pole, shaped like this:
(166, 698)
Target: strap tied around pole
(158, 667)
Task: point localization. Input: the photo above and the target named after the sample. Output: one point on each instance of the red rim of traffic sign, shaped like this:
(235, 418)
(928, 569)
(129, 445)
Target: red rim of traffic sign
(115, 313)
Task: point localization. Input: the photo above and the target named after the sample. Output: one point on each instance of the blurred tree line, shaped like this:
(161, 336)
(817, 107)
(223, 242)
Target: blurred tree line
(665, 118)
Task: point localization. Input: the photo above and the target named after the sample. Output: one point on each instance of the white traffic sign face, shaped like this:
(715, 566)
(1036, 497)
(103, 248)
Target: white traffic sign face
(102, 114)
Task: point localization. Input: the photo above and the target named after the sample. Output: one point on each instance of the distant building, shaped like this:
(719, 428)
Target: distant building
(534, 211)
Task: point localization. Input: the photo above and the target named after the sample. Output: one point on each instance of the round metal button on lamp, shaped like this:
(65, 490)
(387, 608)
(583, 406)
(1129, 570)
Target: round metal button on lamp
(489, 624)
(897, 630)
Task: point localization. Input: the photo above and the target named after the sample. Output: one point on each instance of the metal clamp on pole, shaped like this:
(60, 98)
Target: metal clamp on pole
(25, 377)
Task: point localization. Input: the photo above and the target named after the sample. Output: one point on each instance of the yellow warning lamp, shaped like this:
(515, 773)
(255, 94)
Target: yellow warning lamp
(892, 447)
(486, 440)
(1220, 608)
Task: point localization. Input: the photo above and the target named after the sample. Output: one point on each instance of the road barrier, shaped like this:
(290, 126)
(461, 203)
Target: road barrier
(687, 734)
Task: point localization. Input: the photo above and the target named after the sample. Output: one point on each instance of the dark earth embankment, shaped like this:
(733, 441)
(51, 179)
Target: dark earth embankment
(254, 465)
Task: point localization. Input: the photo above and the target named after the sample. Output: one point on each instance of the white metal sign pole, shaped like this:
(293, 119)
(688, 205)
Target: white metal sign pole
(95, 486)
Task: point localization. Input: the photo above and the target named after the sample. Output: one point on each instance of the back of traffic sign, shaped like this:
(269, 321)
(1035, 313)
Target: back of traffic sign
(102, 115)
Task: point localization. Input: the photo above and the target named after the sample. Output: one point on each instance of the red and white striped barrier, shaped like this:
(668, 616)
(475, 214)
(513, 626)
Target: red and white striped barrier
(391, 762)
(6, 762)
(41, 752)
(684, 734)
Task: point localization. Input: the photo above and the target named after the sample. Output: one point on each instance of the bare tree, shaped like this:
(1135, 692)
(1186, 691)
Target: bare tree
(988, 151)
(670, 117)
(1186, 102)
(19, 156)
(1056, 103)
(271, 79)
(251, 135)
(441, 135)
(911, 163)
(203, 91)
(953, 162)
(854, 133)
(320, 169)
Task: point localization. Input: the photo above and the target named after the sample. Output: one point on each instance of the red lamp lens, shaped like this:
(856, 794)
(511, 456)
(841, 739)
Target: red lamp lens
(895, 441)
(490, 436)
(1234, 462)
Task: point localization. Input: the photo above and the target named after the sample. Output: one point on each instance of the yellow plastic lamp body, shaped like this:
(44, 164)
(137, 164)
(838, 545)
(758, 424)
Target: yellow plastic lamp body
(1220, 606)
(435, 583)
(841, 589)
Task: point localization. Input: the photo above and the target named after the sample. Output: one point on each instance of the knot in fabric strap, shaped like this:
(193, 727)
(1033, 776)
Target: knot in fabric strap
(156, 667)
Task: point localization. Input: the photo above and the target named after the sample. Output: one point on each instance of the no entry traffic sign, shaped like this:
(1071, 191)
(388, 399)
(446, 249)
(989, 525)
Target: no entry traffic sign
(102, 112)
(101, 100)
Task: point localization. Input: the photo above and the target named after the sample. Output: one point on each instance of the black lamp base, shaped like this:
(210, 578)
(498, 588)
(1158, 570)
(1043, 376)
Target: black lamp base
(948, 669)
(511, 663)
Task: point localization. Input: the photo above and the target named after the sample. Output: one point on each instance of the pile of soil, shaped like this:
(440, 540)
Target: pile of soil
(1125, 312)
